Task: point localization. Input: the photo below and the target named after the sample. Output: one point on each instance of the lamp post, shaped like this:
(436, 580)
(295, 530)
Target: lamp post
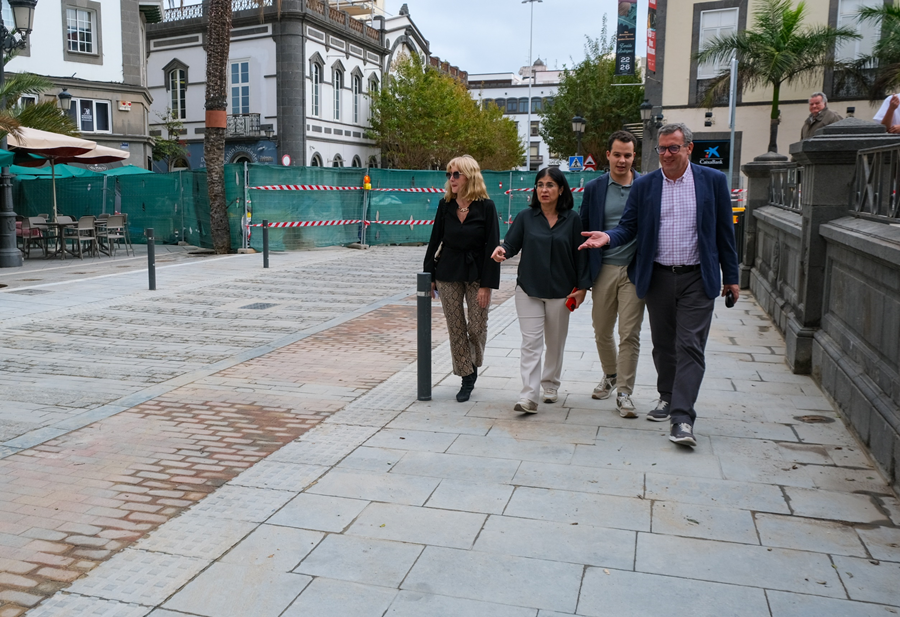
(578, 128)
(23, 18)
(530, 82)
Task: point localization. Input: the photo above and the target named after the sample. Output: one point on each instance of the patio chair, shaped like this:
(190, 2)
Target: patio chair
(32, 235)
(116, 232)
(83, 232)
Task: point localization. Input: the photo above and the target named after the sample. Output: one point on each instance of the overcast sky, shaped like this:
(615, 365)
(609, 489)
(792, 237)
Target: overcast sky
(491, 36)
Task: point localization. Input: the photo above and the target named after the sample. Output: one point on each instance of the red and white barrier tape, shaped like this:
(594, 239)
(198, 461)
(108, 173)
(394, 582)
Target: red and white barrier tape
(343, 222)
(322, 187)
(577, 189)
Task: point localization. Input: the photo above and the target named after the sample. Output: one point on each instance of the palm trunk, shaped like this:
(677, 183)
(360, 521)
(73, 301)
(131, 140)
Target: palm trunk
(775, 119)
(218, 41)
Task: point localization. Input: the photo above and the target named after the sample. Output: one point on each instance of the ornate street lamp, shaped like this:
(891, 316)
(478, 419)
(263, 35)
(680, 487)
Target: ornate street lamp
(23, 18)
(646, 110)
(578, 128)
(65, 100)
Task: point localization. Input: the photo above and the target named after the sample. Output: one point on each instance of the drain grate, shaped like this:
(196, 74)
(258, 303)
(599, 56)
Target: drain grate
(814, 419)
(258, 306)
(31, 292)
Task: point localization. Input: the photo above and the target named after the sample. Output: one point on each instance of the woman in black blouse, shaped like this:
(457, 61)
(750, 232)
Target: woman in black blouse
(551, 271)
(466, 230)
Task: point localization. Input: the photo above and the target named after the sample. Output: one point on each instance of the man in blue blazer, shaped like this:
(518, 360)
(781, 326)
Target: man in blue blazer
(682, 219)
(613, 294)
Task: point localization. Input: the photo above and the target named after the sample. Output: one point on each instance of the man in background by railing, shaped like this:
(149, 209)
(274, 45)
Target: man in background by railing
(819, 115)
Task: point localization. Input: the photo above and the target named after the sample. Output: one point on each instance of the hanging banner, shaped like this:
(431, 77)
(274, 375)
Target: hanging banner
(625, 37)
(651, 36)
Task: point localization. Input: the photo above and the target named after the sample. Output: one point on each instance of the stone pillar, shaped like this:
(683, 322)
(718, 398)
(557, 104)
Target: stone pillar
(758, 173)
(290, 62)
(829, 163)
(10, 255)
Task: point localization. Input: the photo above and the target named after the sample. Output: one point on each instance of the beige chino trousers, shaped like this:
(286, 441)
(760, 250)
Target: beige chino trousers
(615, 297)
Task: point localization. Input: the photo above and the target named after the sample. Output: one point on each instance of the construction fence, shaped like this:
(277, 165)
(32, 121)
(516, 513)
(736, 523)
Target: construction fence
(306, 206)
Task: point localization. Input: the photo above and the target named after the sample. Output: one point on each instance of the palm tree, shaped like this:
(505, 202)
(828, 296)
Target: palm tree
(43, 115)
(779, 49)
(885, 56)
(218, 41)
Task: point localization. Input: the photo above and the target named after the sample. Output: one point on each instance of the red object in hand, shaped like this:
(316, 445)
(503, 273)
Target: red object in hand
(570, 302)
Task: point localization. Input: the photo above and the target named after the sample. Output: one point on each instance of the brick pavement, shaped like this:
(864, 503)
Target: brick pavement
(78, 499)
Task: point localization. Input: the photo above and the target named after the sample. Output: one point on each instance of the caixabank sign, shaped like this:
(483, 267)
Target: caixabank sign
(711, 154)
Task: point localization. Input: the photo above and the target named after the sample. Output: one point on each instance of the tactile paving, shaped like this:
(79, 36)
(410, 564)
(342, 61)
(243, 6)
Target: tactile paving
(280, 476)
(139, 576)
(192, 535)
(242, 503)
(67, 605)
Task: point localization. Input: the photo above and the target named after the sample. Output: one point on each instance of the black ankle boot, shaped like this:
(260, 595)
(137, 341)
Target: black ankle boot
(468, 384)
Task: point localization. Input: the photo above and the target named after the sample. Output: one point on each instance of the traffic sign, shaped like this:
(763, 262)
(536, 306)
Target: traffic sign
(576, 163)
(590, 164)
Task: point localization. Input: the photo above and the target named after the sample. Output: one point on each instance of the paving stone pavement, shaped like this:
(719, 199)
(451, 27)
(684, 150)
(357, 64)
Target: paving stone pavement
(317, 495)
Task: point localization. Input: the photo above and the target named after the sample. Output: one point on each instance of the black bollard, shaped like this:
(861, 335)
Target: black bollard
(265, 243)
(423, 318)
(151, 258)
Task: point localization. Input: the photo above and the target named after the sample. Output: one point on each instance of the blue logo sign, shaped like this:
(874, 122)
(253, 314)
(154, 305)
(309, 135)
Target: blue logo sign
(712, 152)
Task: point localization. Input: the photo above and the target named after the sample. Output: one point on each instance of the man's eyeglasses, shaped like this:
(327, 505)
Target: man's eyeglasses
(673, 149)
(455, 175)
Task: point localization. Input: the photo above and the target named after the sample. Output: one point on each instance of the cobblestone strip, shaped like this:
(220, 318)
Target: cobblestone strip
(84, 496)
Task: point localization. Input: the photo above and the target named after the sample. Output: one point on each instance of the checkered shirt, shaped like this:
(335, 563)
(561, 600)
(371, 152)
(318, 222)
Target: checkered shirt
(678, 222)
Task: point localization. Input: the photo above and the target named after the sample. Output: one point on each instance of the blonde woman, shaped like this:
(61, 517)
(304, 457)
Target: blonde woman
(466, 230)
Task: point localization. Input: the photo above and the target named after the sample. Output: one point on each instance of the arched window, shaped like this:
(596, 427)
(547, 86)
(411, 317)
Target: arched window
(548, 103)
(373, 162)
(338, 86)
(357, 162)
(316, 160)
(536, 104)
(316, 88)
(487, 103)
(501, 104)
(523, 105)
(357, 88)
(177, 89)
(512, 106)
(337, 161)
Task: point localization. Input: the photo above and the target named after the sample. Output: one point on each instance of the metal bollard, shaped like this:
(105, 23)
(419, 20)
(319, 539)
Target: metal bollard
(151, 258)
(423, 318)
(265, 230)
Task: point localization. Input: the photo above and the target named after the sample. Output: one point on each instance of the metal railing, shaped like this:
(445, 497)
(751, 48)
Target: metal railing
(184, 12)
(875, 183)
(242, 125)
(784, 188)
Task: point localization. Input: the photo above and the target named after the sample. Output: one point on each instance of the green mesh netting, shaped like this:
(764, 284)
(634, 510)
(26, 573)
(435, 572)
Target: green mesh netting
(176, 206)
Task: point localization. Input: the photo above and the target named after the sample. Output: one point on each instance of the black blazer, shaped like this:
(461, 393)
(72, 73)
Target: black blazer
(466, 253)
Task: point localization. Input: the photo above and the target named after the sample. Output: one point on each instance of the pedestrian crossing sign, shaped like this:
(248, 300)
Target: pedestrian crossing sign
(576, 163)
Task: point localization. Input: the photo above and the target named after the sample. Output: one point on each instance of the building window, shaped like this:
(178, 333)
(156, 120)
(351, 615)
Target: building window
(548, 103)
(338, 86)
(523, 106)
(357, 88)
(337, 161)
(512, 106)
(714, 24)
(240, 87)
(536, 104)
(27, 101)
(535, 127)
(80, 29)
(535, 149)
(357, 162)
(848, 17)
(177, 88)
(91, 116)
(316, 160)
(317, 88)
(501, 104)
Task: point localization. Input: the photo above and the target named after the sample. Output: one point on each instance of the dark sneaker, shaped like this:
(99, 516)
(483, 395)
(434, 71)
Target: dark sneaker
(604, 388)
(683, 434)
(660, 413)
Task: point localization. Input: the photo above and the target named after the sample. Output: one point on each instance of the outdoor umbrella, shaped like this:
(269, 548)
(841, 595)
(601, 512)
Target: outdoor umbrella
(54, 147)
(6, 158)
(100, 154)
